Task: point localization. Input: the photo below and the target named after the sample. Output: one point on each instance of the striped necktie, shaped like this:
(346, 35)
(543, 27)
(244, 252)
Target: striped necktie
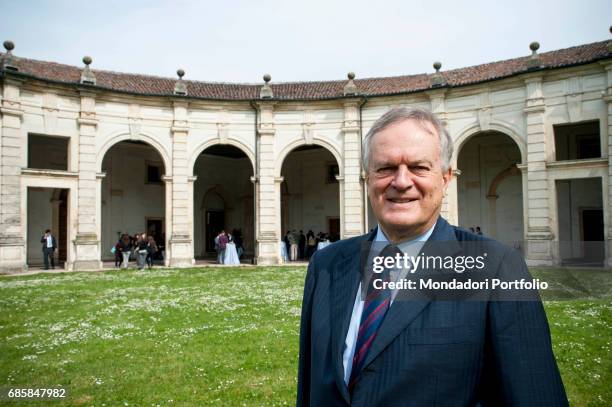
(374, 310)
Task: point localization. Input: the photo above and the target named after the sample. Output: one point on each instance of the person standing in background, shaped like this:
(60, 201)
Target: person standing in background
(223, 240)
(126, 248)
(151, 250)
(293, 239)
(49, 244)
(301, 245)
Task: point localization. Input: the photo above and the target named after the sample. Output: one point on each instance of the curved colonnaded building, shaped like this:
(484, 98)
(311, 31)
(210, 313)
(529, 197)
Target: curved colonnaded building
(93, 154)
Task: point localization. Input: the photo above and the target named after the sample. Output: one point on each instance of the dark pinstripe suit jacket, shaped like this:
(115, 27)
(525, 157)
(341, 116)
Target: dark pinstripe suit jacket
(426, 353)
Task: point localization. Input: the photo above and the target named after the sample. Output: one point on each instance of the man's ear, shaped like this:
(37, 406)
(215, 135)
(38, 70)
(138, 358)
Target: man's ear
(447, 176)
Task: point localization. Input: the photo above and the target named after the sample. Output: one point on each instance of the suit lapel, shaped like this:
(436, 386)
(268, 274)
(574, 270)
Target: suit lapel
(402, 312)
(345, 278)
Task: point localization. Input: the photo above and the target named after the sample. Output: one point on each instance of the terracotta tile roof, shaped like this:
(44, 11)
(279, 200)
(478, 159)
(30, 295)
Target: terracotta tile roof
(153, 85)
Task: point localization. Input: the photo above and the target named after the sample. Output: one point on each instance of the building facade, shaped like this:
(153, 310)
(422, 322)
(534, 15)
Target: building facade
(92, 154)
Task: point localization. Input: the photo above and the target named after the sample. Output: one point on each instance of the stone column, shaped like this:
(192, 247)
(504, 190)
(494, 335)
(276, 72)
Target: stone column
(268, 198)
(86, 242)
(190, 184)
(168, 218)
(12, 241)
(99, 178)
(450, 204)
(352, 208)
(181, 251)
(608, 100)
(449, 208)
(540, 247)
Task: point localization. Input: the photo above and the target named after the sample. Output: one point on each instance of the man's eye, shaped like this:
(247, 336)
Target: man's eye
(384, 170)
(420, 168)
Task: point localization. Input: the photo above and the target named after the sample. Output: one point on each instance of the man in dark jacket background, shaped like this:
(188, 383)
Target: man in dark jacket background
(49, 245)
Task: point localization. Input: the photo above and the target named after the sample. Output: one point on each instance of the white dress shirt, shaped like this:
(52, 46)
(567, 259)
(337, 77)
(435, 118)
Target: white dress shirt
(351, 337)
(49, 241)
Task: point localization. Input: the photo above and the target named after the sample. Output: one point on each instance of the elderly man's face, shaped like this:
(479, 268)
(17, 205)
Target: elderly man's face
(405, 179)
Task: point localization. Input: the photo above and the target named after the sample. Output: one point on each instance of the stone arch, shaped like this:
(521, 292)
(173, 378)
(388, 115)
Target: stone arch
(505, 128)
(299, 143)
(232, 142)
(221, 192)
(500, 177)
(144, 137)
(218, 191)
(478, 187)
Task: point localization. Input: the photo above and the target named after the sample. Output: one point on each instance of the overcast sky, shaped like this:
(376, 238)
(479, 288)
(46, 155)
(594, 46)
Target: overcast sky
(239, 41)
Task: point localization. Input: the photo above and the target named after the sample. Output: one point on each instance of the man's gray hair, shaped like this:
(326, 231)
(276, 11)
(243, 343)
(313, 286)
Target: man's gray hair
(400, 114)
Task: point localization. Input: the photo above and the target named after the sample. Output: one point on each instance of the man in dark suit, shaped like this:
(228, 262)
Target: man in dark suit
(49, 245)
(377, 349)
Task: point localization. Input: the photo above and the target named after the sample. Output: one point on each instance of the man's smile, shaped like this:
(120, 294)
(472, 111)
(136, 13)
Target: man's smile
(401, 200)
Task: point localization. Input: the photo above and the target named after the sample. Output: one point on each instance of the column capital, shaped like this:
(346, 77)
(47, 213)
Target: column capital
(436, 93)
(9, 110)
(87, 119)
(178, 103)
(352, 102)
(264, 104)
(536, 108)
(179, 126)
(266, 130)
(87, 92)
(535, 77)
(12, 79)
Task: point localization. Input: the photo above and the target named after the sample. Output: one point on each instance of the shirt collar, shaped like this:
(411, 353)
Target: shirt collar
(380, 237)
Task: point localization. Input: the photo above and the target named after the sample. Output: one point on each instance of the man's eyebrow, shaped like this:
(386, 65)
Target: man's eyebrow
(389, 163)
(385, 163)
(417, 162)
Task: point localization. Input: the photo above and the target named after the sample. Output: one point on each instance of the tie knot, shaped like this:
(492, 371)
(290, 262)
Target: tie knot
(390, 250)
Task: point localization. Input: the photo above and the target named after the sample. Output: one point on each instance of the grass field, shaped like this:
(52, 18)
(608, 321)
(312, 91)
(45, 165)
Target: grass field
(226, 336)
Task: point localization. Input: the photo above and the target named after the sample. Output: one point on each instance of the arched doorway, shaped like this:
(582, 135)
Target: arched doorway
(223, 199)
(47, 208)
(490, 192)
(133, 195)
(310, 195)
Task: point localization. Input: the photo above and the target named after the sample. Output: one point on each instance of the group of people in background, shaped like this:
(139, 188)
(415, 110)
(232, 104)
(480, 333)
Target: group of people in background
(302, 247)
(141, 247)
(223, 238)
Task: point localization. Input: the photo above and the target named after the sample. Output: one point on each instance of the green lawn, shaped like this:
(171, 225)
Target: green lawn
(224, 336)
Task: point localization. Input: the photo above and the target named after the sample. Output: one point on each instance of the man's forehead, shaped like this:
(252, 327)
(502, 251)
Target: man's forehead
(421, 124)
(397, 131)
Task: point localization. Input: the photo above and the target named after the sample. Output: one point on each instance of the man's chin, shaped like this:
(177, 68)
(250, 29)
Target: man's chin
(401, 226)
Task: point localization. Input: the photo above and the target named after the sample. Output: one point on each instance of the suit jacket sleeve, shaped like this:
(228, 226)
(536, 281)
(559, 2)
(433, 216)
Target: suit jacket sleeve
(303, 389)
(520, 367)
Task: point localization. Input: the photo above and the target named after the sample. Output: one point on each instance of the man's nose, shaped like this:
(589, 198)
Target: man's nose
(402, 179)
